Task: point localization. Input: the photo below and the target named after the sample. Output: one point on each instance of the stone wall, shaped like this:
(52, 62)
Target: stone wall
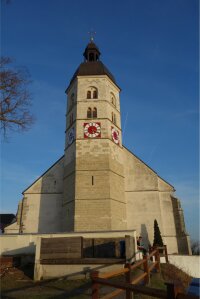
(97, 172)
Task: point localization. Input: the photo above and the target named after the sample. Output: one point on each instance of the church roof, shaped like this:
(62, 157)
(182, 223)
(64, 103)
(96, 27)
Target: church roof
(89, 68)
(92, 65)
(7, 218)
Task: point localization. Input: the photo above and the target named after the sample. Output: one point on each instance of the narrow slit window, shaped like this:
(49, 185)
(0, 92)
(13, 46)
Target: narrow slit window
(114, 118)
(72, 99)
(113, 99)
(71, 119)
(92, 180)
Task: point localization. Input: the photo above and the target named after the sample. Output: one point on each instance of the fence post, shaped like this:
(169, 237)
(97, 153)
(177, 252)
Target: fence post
(173, 289)
(146, 269)
(170, 290)
(166, 254)
(157, 259)
(150, 251)
(128, 280)
(95, 286)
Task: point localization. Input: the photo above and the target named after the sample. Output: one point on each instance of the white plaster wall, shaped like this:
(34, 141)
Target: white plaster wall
(17, 244)
(142, 209)
(42, 202)
(42, 213)
(189, 264)
(26, 243)
(172, 245)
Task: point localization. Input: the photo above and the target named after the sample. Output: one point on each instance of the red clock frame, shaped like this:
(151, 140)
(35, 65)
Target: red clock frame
(92, 130)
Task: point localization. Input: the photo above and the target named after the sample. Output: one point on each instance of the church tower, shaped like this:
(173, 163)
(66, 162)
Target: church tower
(94, 195)
(98, 184)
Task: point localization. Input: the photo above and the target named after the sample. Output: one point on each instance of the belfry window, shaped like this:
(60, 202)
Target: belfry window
(95, 96)
(92, 113)
(113, 99)
(91, 52)
(91, 57)
(92, 93)
(95, 112)
(89, 113)
(89, 94)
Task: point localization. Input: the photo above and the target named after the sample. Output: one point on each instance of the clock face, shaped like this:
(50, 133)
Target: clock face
(115, 135)
(92, 130)
(70, 136)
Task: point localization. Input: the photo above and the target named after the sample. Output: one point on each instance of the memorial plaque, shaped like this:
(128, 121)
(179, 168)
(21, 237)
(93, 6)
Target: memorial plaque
(62, 247)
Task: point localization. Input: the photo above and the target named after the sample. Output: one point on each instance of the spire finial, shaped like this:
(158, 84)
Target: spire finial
(92, 34)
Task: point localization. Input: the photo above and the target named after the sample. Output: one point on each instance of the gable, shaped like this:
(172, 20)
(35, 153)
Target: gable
(51, 181)
(140, 176)
(164, 186)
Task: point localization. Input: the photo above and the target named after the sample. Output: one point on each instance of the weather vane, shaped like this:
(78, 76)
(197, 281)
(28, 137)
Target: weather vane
(92, 34)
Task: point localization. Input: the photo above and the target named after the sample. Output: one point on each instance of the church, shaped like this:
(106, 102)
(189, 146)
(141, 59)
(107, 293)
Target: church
(98, 184)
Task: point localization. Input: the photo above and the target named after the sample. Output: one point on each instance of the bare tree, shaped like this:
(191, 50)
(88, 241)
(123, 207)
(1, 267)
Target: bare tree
(195, 246)
(15, 99)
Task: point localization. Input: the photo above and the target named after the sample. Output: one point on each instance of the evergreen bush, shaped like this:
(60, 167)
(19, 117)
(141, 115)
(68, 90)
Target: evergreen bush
(157, 235)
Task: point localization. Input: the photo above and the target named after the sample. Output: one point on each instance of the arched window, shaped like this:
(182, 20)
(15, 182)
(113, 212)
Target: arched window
(113, 99)
(95, 95)
(95, 112)
(89, 113)
(89, 94)
(92, 93)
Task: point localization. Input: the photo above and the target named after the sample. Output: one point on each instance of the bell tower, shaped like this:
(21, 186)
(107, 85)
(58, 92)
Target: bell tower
(94, 197)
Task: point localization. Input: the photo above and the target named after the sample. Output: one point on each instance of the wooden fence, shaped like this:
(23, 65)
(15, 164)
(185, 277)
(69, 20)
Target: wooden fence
(150, 262)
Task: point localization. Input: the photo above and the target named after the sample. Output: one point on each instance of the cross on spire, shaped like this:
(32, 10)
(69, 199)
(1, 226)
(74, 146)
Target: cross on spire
(92, 34)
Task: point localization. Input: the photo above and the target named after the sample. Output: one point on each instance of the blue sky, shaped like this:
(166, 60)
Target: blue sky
(151, 47)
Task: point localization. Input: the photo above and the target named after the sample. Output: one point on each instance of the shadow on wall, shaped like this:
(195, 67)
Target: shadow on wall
(145, 236)
(107, 249)
(28, 249)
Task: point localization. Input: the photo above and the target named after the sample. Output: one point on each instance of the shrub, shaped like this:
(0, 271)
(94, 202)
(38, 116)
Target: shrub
(157, 235)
